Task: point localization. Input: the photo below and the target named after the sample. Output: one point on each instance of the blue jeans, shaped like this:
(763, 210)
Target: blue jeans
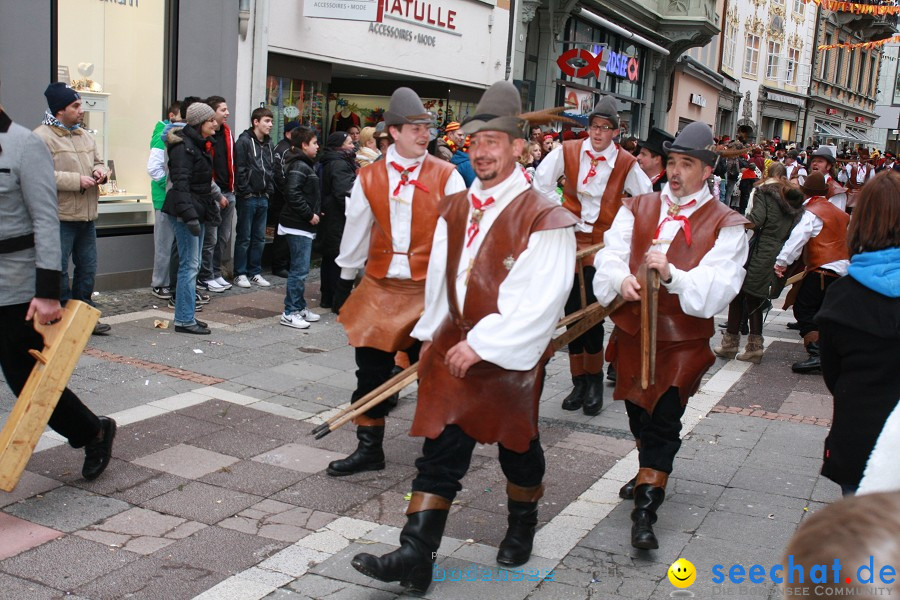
(78, 239)
(301, 249)
(251, 236)
(188, 267)
(163, 236)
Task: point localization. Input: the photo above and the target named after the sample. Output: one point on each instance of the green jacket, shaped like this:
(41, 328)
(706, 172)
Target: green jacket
(156, 165)
(773, 217)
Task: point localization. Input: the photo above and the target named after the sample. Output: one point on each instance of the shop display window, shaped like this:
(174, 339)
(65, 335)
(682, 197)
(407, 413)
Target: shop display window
(367, 111)
(296, 100)
(114, 54)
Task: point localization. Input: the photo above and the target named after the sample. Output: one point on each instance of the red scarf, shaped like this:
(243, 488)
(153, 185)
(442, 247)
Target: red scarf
(478, 211)
(595, 160)
(673, 215)
(404, 178)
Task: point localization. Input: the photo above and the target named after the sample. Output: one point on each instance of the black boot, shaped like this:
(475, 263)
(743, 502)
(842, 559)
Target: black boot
(813, 363)
(369, 455)
(420, 538)
(576, 397)
(593, 396)
(515, 549)
(611, 372)
(626, 492)
(649, 493)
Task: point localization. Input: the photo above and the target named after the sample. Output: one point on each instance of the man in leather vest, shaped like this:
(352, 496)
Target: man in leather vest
(822, 161)
(598, 175)
(698, 247)
(391, 214)
(494, 295)
(821, 236)
(858, 173)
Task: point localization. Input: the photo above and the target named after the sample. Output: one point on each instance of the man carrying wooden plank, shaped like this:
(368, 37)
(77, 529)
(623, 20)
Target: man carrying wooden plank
(30, 259)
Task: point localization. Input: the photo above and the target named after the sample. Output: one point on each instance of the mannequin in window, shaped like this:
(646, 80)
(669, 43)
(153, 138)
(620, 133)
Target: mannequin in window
(345, 118)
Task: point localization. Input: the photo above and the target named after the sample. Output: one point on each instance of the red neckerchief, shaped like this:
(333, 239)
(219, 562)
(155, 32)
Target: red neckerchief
(404, 178)
(658, 177)
(595, 160)
(673, 215)
(478, 211)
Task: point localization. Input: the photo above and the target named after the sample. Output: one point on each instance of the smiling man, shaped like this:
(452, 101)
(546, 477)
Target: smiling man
(391, 215)
(698, 247)
(495, 291)
(598, 175)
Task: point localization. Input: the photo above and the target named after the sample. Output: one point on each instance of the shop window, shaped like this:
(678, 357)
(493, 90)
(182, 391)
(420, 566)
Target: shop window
(114, 54)
(772, 61)
(751, 55)
(729, 46)
(793, 59)
(367, 111)
(295, 100)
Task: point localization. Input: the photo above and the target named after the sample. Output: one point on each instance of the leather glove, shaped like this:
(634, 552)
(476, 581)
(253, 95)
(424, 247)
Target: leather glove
(194, 226)
(341, 292)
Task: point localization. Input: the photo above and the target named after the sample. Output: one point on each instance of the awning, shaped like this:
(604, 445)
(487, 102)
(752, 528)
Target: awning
(824, 129)
(860, 137)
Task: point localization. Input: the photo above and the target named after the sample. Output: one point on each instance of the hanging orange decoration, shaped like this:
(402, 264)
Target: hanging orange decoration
(855, 7)
(863, 45)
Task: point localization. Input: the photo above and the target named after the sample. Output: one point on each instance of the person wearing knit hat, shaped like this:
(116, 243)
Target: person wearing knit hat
(79, 172)
(821, 238)
(198, 113)
(456, 142)
(598, 175)
(494, 297)
(391, 213)
(697, 247)
(822, 161)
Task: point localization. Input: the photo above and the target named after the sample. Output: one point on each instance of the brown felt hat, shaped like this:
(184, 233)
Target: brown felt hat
(406, 108)
(814, 185)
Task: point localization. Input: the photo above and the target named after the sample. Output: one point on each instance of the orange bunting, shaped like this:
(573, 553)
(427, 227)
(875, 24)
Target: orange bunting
(863, 45)
(855, 7)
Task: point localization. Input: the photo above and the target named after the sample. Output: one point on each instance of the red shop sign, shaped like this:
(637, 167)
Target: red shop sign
(579, 63)
(830, 111)
(860, 119)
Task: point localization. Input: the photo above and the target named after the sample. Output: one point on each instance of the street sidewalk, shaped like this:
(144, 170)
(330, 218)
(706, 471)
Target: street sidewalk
(217, 491)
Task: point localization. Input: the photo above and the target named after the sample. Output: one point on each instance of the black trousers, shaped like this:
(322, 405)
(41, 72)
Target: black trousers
(445, 461)
(809, 299)
(591, 341)
(659, 433)
(71, 419)
(281, 254)
(330, 273)
(374, 367)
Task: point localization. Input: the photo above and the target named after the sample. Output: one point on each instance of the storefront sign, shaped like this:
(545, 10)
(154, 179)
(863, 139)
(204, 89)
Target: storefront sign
(860, 119)
(830, 111)
(406, 35)
(348, 10)
(133, 3)
(698, 100)
(622, 66)
(423, 12)
(580, 63)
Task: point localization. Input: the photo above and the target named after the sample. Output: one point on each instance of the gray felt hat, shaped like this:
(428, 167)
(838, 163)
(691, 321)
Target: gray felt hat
(605, 109)
(406, 108)
(695, 140)
(822, 152)
(499, 109)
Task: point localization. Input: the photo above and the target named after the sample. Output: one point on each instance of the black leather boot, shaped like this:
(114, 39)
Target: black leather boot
(626, 492)
(522, 502)
(369, 455)
(813, 363)
(649, 493)
(576, 397)
(593, 395)
(420, 538)
(611, 372)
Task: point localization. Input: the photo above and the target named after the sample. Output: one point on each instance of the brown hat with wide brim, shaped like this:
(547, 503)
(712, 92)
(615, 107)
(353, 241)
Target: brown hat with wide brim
(695, 140)
(500, 109)
(406, 108)
(814, 185)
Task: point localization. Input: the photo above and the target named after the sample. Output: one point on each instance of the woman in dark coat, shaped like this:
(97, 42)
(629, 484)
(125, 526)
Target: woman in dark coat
(776, 209)
(192, 200)
(859, 333)
(338, 174)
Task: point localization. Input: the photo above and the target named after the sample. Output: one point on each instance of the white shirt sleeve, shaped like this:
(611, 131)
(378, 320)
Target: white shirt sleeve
(437, 306)
(637, 182)
(355, 240)
(808, 227)
(530, 302)
(156, 164)
(708, 288)
(611, 262)
(455, 183)
(548, 171)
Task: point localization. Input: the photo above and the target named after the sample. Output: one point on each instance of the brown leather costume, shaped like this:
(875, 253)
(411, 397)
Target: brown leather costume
(610, 202)
(853, 188)
(490, 404)
(382, 311)
(834, 188)
(682, 350)
(831, 243)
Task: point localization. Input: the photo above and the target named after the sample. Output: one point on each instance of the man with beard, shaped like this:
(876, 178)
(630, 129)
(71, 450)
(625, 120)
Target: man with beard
(822, 161)
(652, 156)
(494, 295)
(598, 175)
(391, 216)
(698, 247)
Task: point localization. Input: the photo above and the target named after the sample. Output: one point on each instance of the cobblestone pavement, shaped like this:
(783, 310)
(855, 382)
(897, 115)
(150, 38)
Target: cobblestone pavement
(217, 491)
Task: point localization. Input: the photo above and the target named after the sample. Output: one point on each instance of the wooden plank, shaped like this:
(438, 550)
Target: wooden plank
(63, 344)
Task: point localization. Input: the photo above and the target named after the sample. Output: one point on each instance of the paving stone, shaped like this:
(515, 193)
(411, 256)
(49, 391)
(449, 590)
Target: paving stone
(67, 509)
(221, 550)
(140, 522)
(201, 502)
(60, 564)
(613, 535)
(150, 578)
(794, 485)
(274, 426)
(762, 505)
(19, 535)
(704, 471)
(298, 457)
(285, 594)
(269, 380)
(115, 540)
(147, 545)
(327, 494)
(119, 475)
(693, 492)
(62, 463)
(386, 508)
(186, 461)
(16, 588)
(294, 560)
(235, 588)
(338, 567)
(151, 488)
(30, 484)
(254, 477)
(222, 412)
(745, 529)
(236, 442)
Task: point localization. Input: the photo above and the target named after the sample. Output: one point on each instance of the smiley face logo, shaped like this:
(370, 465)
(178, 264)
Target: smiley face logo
(682, 573)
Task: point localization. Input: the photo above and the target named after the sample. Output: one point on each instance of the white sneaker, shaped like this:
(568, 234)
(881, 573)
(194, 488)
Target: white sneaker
(294, 320)
(213, 286)
(242, 281)
(308, 315)
(260, 281)
(221, 281)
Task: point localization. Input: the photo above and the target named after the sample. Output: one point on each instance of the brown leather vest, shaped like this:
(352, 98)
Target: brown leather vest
(834, 188)
(611, 201)
(433, 174)
(831, 243)
(673, 324)
(491, 404)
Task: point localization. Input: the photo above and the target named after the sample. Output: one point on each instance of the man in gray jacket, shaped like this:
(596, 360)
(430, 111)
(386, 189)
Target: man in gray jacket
(30, 260)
